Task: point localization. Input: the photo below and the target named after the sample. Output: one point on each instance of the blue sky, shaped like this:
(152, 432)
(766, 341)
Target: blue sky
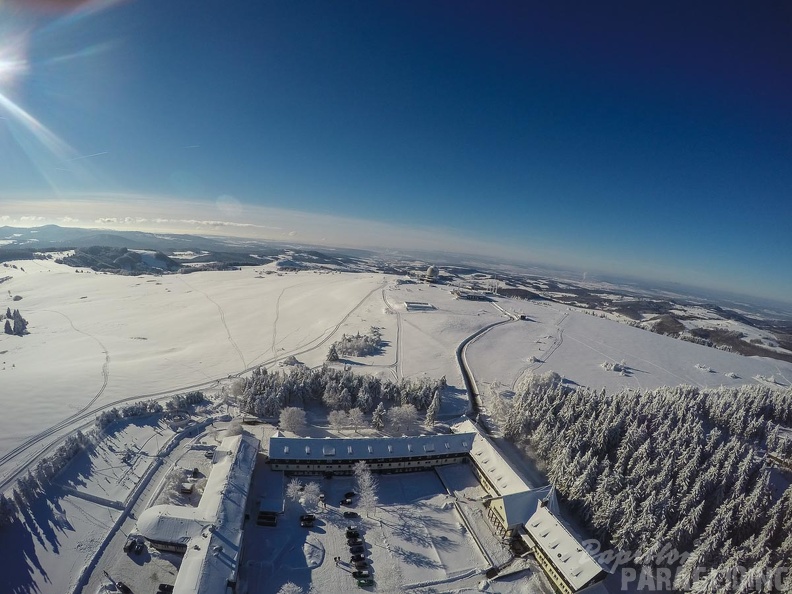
(649, 139)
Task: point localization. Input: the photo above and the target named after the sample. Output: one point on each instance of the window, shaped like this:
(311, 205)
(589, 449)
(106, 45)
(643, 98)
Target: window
(349, 450)
(390, 448)
(285, 449)
(307, 449)
(328, 450)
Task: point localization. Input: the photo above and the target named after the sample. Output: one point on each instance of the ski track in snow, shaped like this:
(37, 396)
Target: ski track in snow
(222, 319)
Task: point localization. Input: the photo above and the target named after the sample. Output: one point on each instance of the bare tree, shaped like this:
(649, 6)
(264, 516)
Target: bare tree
(292, 419)
(338, 419)
(357, 418)
(403, 418)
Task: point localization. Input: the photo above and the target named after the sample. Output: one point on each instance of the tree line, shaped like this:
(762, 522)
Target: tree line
(677, 469)
(34, 483)
(265, 393)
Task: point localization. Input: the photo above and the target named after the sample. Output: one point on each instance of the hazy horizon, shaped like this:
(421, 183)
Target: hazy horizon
(644, 141)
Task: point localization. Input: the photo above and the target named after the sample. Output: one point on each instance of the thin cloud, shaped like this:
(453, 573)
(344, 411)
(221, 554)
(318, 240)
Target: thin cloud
(88, 156)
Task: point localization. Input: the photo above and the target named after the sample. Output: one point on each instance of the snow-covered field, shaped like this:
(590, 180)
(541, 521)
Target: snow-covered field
(575, 345)
(97, 338)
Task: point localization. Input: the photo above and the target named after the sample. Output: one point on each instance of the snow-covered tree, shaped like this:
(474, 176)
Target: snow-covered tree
(292, 419)
(234, 428)
(290, 588)
(378, 417)
(332, 353)
(356, 418)
(310, 496)
(294, 490)
(433, 410)
(8, 329)
(345, 399)
(366, 487)
(7, 510)
(402, 418)
(338, 419)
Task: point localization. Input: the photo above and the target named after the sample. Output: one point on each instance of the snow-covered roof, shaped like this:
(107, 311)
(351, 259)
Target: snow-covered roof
(367, 448)
(521, 505)
(212, 531)
(491, 462)
(561, 546)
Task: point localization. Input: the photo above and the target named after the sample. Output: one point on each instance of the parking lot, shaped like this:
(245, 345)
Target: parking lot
(414, 537)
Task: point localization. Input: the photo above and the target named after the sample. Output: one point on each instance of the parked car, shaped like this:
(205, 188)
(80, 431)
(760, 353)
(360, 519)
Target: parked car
(350, 514)
(346, 502)
(307, 518)
(123, 588)
(361, 564)
(306, 523)
(138, 546)
(356, 558)
(363, 582)
(349, 494)
(351, 542)
(361, 573)
(165, 588)
(352, 534)
(356, 549)
(130, 542)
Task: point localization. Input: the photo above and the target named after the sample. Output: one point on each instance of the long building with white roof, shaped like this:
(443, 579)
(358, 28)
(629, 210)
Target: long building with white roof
(209, 535)
(565, 561)
(303, 455)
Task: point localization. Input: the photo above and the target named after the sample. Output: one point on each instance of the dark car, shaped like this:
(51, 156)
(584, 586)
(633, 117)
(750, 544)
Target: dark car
(352, 534)
(307, 518)
(363, 582)
(350, 514)
(306, 523)
(351, 542)
(346, 502)
(138, 546)
(349, 494)
(123, 588)
(361, 564)
(130, 542)
(362, 573)
(356, 558)
(356, 549)
(167, 588)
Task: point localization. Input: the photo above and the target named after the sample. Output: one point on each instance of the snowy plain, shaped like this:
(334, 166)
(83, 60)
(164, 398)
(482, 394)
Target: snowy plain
(96, 339)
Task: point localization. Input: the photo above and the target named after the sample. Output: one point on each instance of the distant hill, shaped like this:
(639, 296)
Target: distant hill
(121, 260)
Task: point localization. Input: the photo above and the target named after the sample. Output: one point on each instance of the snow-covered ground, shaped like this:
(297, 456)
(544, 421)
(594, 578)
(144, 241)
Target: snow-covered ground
(575, 345)
(415, 538)
(97, 338)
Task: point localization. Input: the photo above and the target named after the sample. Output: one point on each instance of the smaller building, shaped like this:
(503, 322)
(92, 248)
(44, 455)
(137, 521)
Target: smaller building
(209, 535)
(560, 553)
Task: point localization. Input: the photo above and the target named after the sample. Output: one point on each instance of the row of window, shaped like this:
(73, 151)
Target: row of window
(457, 456)
(322, 465)
(330, 450)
